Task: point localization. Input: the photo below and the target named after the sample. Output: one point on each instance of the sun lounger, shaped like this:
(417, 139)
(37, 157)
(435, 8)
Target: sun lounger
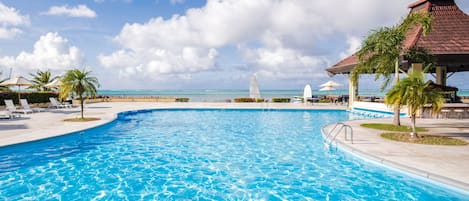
(25, 105)
(12, 108)
(5, 114)
(55, 103)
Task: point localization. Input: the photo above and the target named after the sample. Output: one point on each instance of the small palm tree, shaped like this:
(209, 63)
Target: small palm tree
(80, 83)
(415, 93)
(40, 79)
(381, 51)
(3, 88)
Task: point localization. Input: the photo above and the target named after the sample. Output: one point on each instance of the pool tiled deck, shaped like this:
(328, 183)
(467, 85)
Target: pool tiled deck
(447, 164)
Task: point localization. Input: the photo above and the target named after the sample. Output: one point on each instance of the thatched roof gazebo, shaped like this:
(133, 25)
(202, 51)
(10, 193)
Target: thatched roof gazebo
(448, 41)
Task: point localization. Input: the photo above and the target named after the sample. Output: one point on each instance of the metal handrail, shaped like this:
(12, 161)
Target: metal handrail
(330, 132)
(342, 127)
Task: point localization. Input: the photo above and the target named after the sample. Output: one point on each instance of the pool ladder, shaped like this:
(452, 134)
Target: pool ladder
(338, 128)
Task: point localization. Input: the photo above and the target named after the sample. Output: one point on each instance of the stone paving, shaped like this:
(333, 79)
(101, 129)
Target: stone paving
(445, 164)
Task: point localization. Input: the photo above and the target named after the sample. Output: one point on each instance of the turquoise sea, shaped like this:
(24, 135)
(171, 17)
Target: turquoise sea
(222, 95)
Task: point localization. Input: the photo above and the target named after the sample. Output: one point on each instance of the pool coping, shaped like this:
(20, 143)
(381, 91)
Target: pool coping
(423, 175)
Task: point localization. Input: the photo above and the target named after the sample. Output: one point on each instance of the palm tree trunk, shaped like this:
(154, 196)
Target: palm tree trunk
(414, 129)
(81, 105)
(397, 106)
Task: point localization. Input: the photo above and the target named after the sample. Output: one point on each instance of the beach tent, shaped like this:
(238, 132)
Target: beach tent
(307, 93)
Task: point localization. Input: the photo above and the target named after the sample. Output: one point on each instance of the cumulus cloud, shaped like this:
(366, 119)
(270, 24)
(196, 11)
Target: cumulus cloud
(10, 20)
(51, 51)
(275, 38)
(354, 44)
(78, 11)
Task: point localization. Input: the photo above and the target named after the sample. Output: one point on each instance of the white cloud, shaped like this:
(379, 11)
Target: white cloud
(51, 51)
(78, 11)
(10, 20)
(276, 38)
(8, 33)
(354, 44)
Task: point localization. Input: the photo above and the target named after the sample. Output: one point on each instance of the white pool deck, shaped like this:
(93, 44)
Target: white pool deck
(446, 164)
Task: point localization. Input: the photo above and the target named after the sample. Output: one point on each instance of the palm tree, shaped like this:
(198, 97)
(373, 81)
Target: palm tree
(3, 88)
(40, 79)
(382, 49)
(80, 83)
(415, 93)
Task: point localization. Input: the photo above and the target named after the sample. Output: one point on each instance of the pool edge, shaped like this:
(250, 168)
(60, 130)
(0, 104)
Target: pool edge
(423, 175)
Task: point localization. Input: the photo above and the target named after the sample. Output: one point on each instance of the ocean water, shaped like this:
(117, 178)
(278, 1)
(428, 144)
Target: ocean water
(223, 95)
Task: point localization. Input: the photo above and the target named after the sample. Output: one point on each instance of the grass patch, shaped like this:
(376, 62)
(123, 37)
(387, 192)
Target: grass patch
(391, 127)
(424, 139)
(86, 119)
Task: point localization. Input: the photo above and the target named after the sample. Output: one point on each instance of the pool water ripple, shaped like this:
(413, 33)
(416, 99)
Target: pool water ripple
(205, 155)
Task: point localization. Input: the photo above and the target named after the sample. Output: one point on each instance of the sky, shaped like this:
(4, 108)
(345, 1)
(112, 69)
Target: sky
(193, 44)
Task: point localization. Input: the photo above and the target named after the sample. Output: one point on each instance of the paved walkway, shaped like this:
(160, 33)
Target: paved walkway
(448, 164)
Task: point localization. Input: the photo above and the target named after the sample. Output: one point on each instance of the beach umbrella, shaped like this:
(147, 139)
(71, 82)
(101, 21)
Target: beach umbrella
(17, 81)
(54, 84)
(307, 93)
(331, 84)
(254, 88)
(327, 88)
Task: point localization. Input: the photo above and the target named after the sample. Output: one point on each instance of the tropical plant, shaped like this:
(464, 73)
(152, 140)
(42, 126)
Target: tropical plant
(40, 79)
(382, 49)
(415, 93)
(3, 88)
(79, 83)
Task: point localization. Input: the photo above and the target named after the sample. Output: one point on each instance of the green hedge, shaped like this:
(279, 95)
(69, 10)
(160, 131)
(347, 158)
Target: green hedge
(281, 100)
(248, 100)
(182, 99)
(33, 97)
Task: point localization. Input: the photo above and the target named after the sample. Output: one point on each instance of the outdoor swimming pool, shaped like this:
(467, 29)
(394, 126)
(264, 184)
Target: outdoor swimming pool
(206, 154)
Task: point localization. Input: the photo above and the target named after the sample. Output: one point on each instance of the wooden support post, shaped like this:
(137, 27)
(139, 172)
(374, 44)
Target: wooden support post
(441, 75)
(353, 93)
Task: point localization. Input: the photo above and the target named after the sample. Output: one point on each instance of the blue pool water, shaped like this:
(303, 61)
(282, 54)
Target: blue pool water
(206, 155)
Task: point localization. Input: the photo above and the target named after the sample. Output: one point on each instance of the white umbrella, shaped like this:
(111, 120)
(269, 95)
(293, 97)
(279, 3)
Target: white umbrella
(54, 84)
(254, 88)
(307, 93)
(327, 88)
(17, 81)
(331, 84)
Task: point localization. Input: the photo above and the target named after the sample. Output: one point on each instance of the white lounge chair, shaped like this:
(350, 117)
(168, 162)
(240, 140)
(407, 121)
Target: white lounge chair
(25, 105)
(5, 114)
(55, 103)
(12, 108)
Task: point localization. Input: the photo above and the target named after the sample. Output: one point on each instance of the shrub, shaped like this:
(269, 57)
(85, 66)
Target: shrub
(248, 100)
(259, 100)
(32, 97)
(182, 99)
(324, 101)
(244, 100)
(281, 100)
